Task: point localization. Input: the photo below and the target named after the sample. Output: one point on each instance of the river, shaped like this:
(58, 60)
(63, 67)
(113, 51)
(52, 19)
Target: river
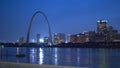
(79, 57)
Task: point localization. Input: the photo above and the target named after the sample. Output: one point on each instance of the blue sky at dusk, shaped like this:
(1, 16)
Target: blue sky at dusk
(65, 16)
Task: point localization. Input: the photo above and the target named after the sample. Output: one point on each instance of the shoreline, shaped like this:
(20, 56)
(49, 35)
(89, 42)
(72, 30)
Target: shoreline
(67, 45)
(26, 65)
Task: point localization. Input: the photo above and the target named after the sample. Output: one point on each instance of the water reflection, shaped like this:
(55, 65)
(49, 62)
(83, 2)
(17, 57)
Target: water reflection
(95, 58)
(32, 55)
(17, 50)
(83, 57)
(56, 56)
(41, 56)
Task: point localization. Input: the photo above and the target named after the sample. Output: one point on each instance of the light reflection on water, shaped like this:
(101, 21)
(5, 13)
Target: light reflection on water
(32, 55)
(41, 56)
(85, 57)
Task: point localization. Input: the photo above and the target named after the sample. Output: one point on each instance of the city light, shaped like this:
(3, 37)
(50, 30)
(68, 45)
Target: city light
(60, 33)
(41, 40)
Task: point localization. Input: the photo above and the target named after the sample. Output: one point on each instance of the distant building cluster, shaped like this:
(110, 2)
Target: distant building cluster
(82, 37)
(104, 33)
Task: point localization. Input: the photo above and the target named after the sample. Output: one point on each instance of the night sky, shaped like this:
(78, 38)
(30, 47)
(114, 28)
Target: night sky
(65, 16)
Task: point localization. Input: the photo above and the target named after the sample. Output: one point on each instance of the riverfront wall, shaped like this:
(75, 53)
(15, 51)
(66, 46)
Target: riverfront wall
(25, 65)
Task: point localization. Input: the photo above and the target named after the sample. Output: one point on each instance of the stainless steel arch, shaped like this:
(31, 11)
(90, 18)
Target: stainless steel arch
(48, 26)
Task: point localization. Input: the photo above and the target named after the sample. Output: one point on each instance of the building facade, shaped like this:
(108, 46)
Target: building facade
(101, 26)
(38, 38)
(47, 40)
(72, 38)
(59, 38)
(102, 31)
(81, 38)
(90, 36)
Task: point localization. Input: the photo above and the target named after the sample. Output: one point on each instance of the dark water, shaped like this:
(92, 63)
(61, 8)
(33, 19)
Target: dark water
(80, 57)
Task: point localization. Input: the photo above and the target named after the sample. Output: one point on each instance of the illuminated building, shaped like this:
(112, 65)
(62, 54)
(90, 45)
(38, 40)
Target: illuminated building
(90, 36)
(101, 26)
(102, 31)
(81, 38)
(38, 38)
(105, 32)
(59, 38)
(114, 35)
(87, 36)
(99, 37)
(46, 40)
(72, 38)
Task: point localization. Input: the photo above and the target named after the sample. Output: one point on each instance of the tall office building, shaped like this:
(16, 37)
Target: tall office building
(102, 26)
(59, 38)
(102, 31)
(38, 38)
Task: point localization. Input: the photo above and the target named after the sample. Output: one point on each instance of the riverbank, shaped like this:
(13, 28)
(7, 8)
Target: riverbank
(67, 45)
(25, 65)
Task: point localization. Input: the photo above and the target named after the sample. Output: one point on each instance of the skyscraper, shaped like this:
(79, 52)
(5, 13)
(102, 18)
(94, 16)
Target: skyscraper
(103, 31)
(102, 26)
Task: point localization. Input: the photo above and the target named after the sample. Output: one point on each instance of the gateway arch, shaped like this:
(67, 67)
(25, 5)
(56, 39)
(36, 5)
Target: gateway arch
(47, 24)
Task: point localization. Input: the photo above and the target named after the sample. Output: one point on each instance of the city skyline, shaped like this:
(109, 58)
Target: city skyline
(65, 16)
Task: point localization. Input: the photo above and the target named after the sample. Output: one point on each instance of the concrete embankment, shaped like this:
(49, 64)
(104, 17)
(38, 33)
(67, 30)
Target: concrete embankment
(25, 65)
